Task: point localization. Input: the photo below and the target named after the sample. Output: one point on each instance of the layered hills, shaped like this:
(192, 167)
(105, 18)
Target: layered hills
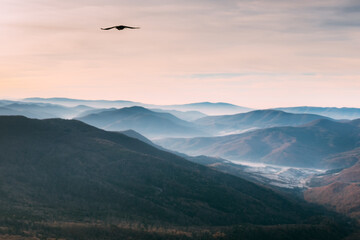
(237, 123)
(70, 102)
(41, 110)
(184, 115)
(208, 108)
(332, 112)
(316, 144)
(149, 123)
(65, 170)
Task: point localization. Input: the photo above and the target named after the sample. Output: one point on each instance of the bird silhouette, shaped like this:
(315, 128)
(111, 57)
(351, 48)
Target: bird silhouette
(119, 27)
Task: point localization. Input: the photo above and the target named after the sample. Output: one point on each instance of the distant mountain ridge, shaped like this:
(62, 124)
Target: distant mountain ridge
(41, 110)
(184, 115)
(313, 145)
(332, 112)
(37, 99)
(210, 108)
(147, 122)
(229, 124)
(70, 102)
(207, 108)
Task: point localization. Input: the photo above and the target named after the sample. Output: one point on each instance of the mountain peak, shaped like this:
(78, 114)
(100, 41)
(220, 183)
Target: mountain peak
(135, 109)
(323, 123)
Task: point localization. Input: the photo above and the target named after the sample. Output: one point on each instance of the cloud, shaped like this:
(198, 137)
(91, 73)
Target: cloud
(350, 6)
(341, 16)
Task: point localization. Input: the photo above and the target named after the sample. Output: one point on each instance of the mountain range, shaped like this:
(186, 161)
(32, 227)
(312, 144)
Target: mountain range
(230, 124)
(273, 177)
(69, 171)
(41, 110)
(331, 112)
(70, 102)
(184, 115)
(312, 145)
(207, 108)
(66, 179)
(149, 123)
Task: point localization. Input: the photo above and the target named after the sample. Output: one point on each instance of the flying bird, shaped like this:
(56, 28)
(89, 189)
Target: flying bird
(120, 27)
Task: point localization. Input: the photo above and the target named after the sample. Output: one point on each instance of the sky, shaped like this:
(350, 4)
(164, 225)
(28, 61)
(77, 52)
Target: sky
(253, 53)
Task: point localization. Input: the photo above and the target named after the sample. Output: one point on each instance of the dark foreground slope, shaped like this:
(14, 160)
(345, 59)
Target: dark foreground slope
(67, 171)
(66, 168)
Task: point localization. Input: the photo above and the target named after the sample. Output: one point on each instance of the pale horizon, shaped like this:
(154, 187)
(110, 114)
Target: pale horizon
(178, 103)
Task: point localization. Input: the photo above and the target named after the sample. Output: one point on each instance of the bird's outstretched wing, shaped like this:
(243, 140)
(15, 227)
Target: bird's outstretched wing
(108, 28)
(119, 27)
(131, 27)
